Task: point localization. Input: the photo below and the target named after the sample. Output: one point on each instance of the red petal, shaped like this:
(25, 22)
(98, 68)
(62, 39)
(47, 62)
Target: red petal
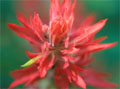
(58, 30)
(37, 25)
(90, 31)
(76, 68)
(66, 43)
(23, 20)
(22, 32)
(95, 28)
(70, 51)
(60, 78)
(102, 84)
(24, 72)
(24, 75)
(73, 5)
(88, 61)
(17, 28)
(95, 79)
(70, 21)
(51, 62)
(32, 81)
(99, 39)
(66, 59)
(32, 55)
(99, 47)
(45, 64)
(36, 22)
(88, 21)
(80, 82)
(74, 73)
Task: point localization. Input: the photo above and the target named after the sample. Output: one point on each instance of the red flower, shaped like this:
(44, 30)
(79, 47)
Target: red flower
(60, 45)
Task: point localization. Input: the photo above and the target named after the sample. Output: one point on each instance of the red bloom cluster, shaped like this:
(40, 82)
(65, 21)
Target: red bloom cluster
(60, 45)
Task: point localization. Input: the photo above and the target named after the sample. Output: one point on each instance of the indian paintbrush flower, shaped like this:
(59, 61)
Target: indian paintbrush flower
(61, 46)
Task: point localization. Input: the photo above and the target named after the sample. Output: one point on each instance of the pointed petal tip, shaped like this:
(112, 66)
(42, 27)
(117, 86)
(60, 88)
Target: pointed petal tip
(104, 20)
(19, 15)
(28, 53)
(84, 86)
(114, 85)
(31, 55)
(109, 45)
(104, 38)
(10, 25)
(113, 44)
(11, 86)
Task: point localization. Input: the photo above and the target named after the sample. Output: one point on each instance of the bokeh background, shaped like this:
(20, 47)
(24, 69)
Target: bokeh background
(13, 47)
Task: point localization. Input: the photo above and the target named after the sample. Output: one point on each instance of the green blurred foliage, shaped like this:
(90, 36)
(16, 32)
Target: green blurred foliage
(13, 47)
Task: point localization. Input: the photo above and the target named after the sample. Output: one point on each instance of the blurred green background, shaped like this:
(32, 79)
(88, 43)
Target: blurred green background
(13, 47)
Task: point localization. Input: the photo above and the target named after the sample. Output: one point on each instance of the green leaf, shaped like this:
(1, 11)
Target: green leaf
(30, 62)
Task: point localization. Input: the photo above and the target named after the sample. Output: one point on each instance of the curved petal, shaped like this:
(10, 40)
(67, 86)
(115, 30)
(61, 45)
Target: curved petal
(24, 75)
(60, 78)
(31, 55)
(79, 81)
(89, 31)
(98, 47)
(45, 64)
(95, 79)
